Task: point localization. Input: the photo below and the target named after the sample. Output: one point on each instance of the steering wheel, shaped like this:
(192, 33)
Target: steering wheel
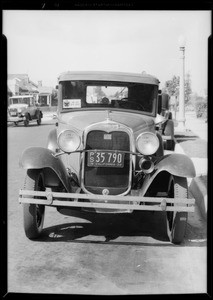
(104, 100)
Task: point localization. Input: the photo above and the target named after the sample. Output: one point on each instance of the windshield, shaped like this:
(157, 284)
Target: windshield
(23, 100)
(117, 95)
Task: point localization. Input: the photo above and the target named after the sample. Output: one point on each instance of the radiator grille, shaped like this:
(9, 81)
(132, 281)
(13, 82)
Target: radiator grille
(116, 180)
(13, 112)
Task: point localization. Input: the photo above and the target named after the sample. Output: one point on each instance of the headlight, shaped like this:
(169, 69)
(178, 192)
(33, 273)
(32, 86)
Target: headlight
(19, 110)
(69, 141)
(147, 143)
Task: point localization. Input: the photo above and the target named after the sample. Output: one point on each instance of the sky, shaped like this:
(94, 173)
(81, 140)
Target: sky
(44, 44)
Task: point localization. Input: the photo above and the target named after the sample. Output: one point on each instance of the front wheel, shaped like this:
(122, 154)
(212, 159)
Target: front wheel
(33, 213)
(177, 221)
(26, 121)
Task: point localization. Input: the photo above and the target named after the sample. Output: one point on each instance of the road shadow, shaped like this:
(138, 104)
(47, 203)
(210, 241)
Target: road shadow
(185, 137)
(133, 229)
(110, 228)
(192, 145)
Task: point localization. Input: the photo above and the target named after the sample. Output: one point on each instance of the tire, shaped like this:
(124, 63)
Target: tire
(26, 121)
(39, 119)
(33, 213)
(177, 221)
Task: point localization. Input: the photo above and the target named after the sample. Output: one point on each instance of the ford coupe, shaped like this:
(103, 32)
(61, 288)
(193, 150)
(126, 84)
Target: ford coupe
(23, 109)
(108, 154)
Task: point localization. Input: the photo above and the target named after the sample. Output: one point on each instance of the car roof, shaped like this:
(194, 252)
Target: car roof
(109, 76)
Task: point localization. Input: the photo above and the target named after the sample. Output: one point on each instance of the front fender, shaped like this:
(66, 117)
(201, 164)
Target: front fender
(40, 158)
(175, 164)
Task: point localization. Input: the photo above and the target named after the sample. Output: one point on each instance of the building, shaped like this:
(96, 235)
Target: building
(45, 96)
(20, 84)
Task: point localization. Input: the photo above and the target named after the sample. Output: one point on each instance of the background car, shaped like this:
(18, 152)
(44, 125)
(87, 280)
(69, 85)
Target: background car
(106, 155)
(166, 125)
(24, 109)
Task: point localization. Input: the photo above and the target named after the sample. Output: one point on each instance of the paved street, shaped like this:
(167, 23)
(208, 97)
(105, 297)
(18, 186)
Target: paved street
(124, 255)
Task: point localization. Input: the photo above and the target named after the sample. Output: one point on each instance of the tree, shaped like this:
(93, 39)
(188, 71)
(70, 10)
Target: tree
(188, 89)
(172, 87)
(54, 97)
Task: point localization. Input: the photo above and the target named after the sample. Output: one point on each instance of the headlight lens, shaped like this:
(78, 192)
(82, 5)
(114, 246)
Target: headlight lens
(147, 143)
(69, 141)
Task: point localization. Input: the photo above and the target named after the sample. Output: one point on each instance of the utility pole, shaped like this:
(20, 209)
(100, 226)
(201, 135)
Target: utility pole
(181, 118)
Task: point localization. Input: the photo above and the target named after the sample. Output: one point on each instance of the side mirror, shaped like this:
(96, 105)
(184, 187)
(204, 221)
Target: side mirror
(56, 87)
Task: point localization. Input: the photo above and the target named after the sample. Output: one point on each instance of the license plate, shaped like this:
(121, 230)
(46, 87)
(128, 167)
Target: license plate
(105, 159)
(13, 113)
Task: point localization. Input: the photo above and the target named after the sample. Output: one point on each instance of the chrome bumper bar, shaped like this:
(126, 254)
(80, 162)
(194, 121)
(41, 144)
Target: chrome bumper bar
(15, 119)
(102, 201)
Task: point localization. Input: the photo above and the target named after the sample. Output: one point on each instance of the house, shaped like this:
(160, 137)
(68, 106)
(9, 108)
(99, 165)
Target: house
(20, 84)
(45, 94)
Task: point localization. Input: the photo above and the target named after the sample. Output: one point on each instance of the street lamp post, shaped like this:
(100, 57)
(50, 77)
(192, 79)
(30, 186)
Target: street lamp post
(181, 119)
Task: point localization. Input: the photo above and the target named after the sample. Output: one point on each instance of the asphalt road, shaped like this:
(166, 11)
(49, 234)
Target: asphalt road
(124, 255)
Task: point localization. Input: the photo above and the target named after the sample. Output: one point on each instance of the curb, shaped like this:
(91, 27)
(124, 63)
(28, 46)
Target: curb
(197, 188)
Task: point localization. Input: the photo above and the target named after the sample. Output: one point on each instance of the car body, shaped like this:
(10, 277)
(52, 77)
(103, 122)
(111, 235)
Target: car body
(23, 108)
(106, 155)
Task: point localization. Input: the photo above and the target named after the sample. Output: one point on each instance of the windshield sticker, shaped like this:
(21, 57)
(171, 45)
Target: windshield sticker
(71, 103)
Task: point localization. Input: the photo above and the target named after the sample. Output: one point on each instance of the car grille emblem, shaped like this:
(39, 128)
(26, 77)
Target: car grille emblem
(105, 192)
(107, 136)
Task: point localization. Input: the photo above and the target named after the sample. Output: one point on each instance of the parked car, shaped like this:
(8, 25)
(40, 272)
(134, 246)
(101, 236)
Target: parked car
(166, 126)
(23, 109)
(106, 155)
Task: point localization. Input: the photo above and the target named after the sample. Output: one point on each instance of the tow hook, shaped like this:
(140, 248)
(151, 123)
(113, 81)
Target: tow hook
(163, 204)
(49, 196)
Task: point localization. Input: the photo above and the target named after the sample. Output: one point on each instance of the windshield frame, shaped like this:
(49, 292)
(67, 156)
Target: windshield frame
(20, 99)
(98, 107)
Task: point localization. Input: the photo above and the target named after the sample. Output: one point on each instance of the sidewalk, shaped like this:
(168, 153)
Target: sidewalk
(193, 143)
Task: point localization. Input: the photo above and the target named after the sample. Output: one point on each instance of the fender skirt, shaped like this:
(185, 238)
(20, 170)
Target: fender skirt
(175, 164)
(40, 158)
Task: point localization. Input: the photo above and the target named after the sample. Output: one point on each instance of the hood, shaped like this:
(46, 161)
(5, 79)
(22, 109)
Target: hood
(18, 106)
(81, 119)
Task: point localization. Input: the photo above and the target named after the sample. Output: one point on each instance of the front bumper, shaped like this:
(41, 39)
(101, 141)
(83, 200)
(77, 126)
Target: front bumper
(15, 119)
(106, 202)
